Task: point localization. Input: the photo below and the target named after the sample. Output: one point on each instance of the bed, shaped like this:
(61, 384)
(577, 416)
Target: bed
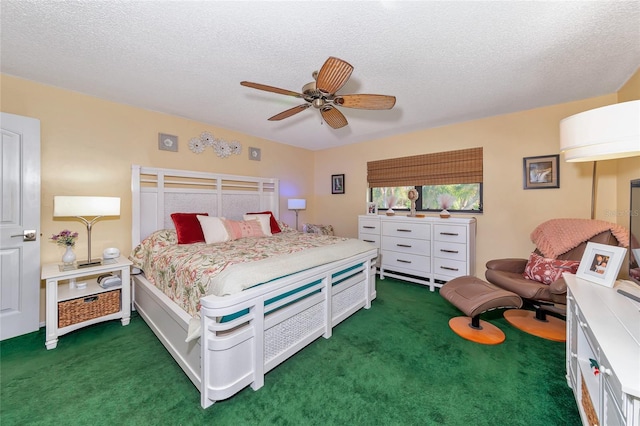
(240, 336)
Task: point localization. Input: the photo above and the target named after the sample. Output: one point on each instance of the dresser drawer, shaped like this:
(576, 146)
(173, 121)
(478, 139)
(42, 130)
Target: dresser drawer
(446, 250)
(370, 238)
(406, 230)
(407, 245)
(448, 267)
(369, 226)
(405, 262)
(450, 233)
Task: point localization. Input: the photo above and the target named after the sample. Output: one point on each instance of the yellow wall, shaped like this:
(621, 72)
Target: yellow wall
(89, 144)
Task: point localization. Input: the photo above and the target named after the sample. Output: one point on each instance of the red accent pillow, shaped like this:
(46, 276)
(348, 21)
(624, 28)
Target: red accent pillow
(272, 221)
(547, 270)
(188, 227)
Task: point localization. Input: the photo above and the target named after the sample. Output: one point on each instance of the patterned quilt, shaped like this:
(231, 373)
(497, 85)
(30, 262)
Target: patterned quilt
(185, 272)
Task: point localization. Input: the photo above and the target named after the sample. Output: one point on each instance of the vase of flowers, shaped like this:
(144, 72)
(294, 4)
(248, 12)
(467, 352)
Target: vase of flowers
(66, 239)
(445, 201)
(391, 202)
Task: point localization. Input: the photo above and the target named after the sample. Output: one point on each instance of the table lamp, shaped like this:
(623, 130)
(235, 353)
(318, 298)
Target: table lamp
(88, 210)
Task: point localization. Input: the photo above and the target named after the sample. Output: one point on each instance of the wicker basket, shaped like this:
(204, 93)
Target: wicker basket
(85, 308)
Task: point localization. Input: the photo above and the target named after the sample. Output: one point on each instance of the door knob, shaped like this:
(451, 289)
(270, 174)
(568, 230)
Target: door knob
(27, 235)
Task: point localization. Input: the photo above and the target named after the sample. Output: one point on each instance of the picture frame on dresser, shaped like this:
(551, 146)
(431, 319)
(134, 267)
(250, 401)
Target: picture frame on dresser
(372, 209)
(601, 263)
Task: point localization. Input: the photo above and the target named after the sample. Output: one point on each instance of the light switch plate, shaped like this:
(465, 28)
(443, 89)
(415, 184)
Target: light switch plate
(254, 154)
(167, 142)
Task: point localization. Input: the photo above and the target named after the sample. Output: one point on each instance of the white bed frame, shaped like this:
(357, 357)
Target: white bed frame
(232, 355)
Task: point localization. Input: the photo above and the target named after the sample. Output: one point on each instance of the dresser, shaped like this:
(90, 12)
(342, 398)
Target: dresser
(428, 251)
(603, 352)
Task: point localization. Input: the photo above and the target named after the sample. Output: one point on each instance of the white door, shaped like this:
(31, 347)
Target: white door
(19, 225)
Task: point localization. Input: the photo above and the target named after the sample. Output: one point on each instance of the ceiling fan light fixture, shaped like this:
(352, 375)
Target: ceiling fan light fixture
(321, 94)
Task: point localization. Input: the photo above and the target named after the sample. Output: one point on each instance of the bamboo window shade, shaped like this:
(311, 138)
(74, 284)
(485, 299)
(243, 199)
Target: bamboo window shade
(440, 168)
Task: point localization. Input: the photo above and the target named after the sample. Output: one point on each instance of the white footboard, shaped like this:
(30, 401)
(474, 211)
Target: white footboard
(276, 321)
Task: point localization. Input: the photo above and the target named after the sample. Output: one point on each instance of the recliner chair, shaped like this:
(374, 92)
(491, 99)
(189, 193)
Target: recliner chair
(508, 275)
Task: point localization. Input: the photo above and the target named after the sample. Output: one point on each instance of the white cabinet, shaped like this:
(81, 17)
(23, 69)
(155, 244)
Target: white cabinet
(603, 352)
(428, 251)
(68, 309)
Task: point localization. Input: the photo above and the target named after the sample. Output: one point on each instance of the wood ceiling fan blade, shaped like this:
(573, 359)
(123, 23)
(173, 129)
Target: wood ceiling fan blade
(333, 117)
(333, 75)
(289, 112)
(366, 101)
(270, 89)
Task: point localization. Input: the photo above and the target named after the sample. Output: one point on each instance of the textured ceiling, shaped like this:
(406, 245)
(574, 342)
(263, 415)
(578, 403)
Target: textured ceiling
(445, 62)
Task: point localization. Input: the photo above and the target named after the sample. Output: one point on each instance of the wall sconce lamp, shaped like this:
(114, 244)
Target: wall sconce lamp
(297, 204)
(86, 207)
(605, 133)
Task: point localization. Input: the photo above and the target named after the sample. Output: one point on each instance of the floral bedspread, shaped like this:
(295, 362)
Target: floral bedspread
(184, 272)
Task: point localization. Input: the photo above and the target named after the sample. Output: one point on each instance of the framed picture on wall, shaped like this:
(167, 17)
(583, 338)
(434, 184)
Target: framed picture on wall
(601, 263)
(337, 184)
(541, 172)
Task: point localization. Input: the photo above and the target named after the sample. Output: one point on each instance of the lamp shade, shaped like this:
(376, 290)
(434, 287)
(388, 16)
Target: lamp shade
(603, 133)
(297, 203)
(66, 206)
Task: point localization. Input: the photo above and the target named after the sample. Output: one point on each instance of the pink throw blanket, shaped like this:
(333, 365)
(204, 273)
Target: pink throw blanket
(557, 236)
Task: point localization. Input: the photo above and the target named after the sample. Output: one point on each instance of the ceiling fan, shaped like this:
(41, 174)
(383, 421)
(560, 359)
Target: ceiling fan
(321, 94)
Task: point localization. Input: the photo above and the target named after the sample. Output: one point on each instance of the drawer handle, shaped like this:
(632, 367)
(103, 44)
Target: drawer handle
(90, 299)
(454, 234)
(404, 261)
(449, 251)
(404, 245)
(369, 227)
(368, 241)
(403, 230)
(448, 268)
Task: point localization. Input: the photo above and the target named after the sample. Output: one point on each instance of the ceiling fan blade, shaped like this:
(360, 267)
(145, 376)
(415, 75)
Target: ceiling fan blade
(333, 75)
(366, 101)
(288, 113)
(333, 117)
(270, 89)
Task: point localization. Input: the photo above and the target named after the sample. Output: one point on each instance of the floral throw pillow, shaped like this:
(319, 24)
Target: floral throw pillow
(547, 270)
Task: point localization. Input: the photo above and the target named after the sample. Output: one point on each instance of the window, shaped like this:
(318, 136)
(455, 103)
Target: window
(454, 173)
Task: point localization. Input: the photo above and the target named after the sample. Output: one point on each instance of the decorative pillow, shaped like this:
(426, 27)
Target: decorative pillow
(188, 227)
(264, 219)
(213, 229)
(547, 270)
(273, 222)
(317, 229)
(243, 228)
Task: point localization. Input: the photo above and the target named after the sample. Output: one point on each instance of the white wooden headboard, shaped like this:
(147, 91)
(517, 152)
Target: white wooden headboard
(156, 193)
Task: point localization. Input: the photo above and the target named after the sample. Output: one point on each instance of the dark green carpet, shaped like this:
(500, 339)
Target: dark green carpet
(395, 364)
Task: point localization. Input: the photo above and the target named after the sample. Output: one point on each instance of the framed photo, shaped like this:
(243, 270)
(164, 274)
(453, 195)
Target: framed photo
(372, 208)
(541, 172)
(601, 263)
(337, 184)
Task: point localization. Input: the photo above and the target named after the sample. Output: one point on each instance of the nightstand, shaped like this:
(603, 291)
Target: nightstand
(69, 309)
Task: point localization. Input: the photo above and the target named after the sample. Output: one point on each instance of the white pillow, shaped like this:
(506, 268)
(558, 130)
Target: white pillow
(213, 229)
(265, 222)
